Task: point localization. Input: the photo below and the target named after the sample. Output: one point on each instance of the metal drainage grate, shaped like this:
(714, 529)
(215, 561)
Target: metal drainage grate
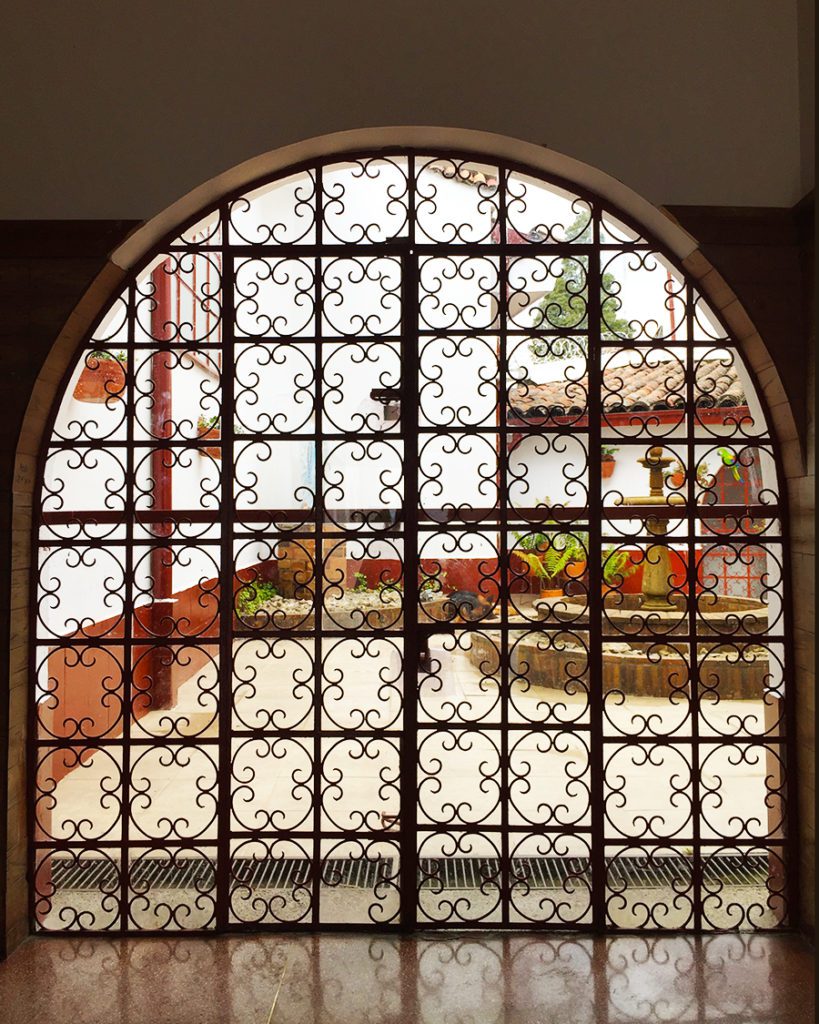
(445, 873)
(553, 872)
(197, 873)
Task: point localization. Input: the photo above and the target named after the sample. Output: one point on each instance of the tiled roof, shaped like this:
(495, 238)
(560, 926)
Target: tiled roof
(634, 389)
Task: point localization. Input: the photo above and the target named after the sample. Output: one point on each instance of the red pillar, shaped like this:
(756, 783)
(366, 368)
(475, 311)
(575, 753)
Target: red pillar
(161, 568)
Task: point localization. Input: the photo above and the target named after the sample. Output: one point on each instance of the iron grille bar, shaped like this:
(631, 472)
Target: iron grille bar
(596, 693)
(770, 844)
(318, 530)
(693, 571)
(479, 517)
(128, 609)
(660, 741)
(501, 407)
(227, 410)
(409, 386)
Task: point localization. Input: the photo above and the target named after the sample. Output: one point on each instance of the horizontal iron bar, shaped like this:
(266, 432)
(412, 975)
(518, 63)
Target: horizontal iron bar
(519, 513)
(618, 843)
(621, 740)
(402, 246)
(396, 632)
(525, 427)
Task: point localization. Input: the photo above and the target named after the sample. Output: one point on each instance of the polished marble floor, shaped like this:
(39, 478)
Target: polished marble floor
(464, 979)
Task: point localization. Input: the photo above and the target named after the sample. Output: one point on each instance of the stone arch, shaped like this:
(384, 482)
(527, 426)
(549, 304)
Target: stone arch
(51, 379)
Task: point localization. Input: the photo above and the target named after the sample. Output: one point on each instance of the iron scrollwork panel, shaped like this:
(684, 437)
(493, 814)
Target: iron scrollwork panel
(410, 552)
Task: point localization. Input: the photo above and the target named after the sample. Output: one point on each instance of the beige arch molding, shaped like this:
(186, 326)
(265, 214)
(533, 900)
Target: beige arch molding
(106, 285)
(539, 158)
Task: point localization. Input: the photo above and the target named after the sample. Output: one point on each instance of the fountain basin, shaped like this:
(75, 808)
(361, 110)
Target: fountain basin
(553, 662)
(624, 614)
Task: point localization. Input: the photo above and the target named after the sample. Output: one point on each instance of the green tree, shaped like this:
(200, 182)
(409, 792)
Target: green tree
(565, 305)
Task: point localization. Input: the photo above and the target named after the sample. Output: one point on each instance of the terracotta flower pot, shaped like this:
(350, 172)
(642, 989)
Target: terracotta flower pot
(546, 591)
(100, 381)
(677, 479)
(606, 467)
(574, 570)
(212, 434)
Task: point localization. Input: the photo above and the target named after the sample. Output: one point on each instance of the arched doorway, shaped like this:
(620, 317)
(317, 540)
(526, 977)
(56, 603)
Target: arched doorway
(409, 553)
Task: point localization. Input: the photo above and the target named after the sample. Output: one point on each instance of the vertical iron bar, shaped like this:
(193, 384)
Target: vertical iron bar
(690, 512)
(789, 796)
(318, 543)
(595, 504)
(32, 728)
(128, 620)
(503, 557)
(226, 576)
(409, 388)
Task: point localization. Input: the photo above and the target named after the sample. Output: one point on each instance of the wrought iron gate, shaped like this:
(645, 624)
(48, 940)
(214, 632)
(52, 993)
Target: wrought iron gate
(348, 614)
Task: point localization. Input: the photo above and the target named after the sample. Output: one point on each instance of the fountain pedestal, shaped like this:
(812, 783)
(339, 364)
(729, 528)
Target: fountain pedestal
(657, 565)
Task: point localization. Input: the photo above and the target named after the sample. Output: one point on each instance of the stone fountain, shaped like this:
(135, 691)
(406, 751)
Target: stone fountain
(634, 624)
(657, 565)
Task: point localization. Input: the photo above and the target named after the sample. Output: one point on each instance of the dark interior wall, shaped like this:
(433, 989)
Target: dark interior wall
(44, 269)
(764, 255)
(134, 104)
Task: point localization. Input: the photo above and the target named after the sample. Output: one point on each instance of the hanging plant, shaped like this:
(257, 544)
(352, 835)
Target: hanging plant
(102, 378)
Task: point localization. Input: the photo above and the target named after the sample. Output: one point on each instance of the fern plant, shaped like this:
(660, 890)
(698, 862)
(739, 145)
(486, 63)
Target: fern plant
(548, 560)
(617, 566)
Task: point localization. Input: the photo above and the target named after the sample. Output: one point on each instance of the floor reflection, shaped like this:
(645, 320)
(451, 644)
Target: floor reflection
(335, 979)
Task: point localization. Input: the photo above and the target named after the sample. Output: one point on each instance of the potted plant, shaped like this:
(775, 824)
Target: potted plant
(578, 546)
(210, 430)
(546, 560)
(607, 453)
(102, 377)
(675, 475)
